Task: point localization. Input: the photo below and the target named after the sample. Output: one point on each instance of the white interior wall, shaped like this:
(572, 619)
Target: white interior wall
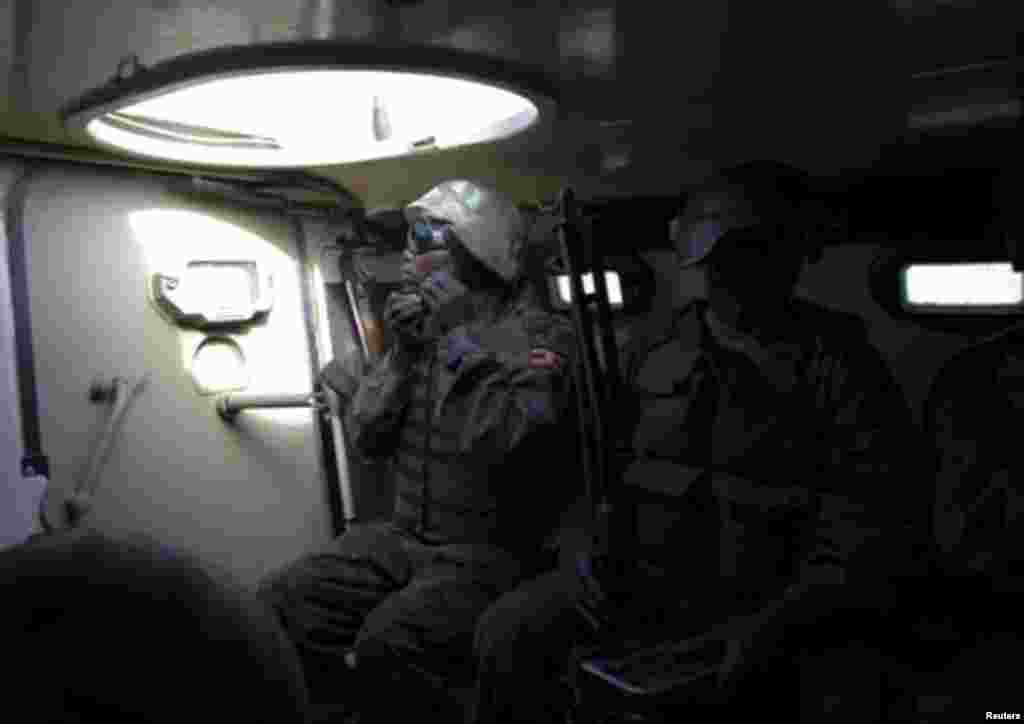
(248, 496)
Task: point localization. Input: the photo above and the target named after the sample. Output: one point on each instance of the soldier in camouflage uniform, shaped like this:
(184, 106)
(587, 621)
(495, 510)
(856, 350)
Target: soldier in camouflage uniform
(391, 607)
(760, 435)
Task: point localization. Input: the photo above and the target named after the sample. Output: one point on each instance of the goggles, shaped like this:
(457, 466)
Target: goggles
(428, 235)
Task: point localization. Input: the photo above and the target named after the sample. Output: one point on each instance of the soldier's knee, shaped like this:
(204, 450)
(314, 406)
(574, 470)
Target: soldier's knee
(382, 664)
(504, 637)
(375, 652)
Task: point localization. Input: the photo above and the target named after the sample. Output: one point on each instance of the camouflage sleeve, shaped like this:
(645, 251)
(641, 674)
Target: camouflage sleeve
(867, 438)
(510, 399)
(374, 416)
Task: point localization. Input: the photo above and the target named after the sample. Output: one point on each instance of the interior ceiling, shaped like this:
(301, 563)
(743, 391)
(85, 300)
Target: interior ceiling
(651, 100)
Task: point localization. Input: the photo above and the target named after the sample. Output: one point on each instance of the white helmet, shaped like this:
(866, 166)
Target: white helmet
(487, 222)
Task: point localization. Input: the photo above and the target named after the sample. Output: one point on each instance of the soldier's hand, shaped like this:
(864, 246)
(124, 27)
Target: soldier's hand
(447, 299)
(409, 267)
(328, 402)
(404, 313)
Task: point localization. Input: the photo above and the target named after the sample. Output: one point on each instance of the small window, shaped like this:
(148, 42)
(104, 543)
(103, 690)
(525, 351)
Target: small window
(611, 279)
(962, 288)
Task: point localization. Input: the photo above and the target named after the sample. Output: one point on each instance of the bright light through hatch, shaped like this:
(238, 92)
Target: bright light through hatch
(313, 117)
(937, 286)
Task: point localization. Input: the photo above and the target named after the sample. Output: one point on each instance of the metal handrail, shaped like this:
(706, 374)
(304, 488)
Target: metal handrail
(229, 405)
